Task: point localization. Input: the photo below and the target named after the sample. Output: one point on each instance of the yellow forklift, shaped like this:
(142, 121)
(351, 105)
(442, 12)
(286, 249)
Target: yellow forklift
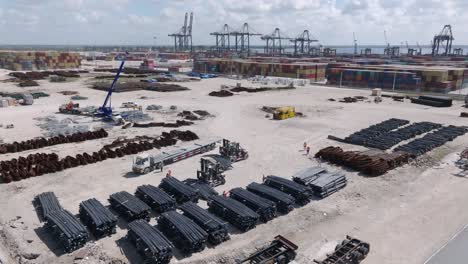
(284, 112)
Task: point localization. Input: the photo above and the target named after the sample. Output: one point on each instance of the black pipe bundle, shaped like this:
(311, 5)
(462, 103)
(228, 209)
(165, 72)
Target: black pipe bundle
(234, 212)
(45, 204)
(301, 193)
(322, 182)
(263, 207)
(435, 101)
(150, 242)
(215, 227)
(129, 206)
(97, 218)
(284, 202)
(362, 136)
(156, 198)
(180, 191)
(204, 189)
(68, 230)
(186, 235)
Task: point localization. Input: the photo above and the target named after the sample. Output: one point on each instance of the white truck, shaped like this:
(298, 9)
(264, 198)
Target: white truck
(145, 163)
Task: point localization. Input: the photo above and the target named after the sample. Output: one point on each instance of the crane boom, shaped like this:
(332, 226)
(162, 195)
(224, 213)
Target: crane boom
(106, 108)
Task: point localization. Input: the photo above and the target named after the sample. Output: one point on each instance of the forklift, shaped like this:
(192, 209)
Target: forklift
(233, 151)
(212, 168)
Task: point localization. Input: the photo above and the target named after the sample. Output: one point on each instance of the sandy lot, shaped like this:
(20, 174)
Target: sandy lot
(405, 214)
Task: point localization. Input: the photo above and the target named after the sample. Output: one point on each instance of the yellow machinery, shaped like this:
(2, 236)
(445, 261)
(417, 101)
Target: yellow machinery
(284, 112)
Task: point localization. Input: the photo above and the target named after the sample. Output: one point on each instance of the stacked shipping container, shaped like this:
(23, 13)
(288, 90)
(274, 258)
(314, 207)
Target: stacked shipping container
(38, 60)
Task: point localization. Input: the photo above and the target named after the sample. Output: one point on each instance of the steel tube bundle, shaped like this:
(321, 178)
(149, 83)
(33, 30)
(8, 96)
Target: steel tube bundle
(180, 191)
(263, 207)
(204, 190)
(234, 212)
(156, 198)
(284, 202)
(68, 230)
(215, 227)
(301, 193)
(97, 218)
(362, 136)
(321, 182)
(46, 203)
(150, 242)
(186, 235)
(129, 206)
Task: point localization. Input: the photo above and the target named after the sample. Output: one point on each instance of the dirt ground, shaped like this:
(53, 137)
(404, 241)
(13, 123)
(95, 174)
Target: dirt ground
(405, 214)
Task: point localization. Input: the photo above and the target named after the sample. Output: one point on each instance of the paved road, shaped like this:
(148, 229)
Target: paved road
(455, 252)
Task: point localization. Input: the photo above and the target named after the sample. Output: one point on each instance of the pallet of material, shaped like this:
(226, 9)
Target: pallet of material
(185, 234)
(130, 207)
(234, 212)
(214, 226)
(321, 182)
(204, 190)
(301, 193)
(45, 204)
(180, 191)
(156, 198)
(265, 208)
(97, 218)
(284, 202)
(70, 233)
(435, 101)
(150, 242)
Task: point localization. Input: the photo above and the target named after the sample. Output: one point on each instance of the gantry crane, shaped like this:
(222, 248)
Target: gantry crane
(302, 43)
(183, 38)
(443, 40)
(274, 42)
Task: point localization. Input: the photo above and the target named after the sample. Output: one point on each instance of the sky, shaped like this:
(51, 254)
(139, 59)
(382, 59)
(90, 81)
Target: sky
(138, 22)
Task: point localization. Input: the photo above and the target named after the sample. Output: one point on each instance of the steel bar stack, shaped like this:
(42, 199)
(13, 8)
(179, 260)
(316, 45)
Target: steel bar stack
(186, 235)
(204, 190)
(129, 206)
(435, 101)
(322, 182)
(392, 138)
(215, 227)
(68, 230)
(180, 191)
(156, 198)
(433, 140)
(97, 218)
(284, 202)
(364, 135)
(301, 193)
(265, 208)
(45, 204)
(234, 212)
(150, 242)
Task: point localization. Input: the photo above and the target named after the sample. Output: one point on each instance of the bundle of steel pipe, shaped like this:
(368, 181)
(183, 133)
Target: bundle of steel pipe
(45, 204)
(67, 229)
(180, 191)
(97, 218)
(301, 193)
(284, 202)
(156, 198)
(263, 207)
(129, 206)
(234, 212)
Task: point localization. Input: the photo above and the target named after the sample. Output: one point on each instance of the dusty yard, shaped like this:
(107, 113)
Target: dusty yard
(405, 214)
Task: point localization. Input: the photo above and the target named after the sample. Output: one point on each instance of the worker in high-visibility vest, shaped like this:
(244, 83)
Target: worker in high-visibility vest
(169, 173)
(305, 146)
(308, 150)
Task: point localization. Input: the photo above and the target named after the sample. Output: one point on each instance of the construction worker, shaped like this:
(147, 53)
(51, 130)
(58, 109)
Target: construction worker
(263, 178)
(305, 146)
(308, 150)
(225, 194)
(169, 173)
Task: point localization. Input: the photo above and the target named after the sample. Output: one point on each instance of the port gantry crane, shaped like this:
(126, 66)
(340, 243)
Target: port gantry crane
(183, 38)
(274, 42)
(302, 43)
(242, 39)
(223, 39)
(443, 40)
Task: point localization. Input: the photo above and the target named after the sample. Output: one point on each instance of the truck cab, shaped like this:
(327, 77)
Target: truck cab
(145, 163)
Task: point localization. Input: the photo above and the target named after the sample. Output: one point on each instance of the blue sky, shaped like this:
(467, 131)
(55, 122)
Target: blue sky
(121, 22)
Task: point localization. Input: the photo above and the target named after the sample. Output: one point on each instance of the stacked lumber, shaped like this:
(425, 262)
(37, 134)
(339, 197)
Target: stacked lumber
(234, 212)
(67, 229)
(284, 202)
(215, 227)
(150, 242)
(97, 218)
(186, 235)
(129, 206)
(45, 204)
(432, 140)
(373, 131)
(301, 193)
(156, 198)
(320, 181)
(204, 190)
(435, 101)
(180, 191)
(265, 208)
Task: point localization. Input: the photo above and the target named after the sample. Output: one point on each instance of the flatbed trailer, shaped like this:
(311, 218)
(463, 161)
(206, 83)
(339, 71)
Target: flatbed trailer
(146, 163)
(350, 251)
(280, 251)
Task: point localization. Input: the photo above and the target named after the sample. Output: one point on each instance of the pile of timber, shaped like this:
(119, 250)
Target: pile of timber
(70, 233)
(180, 191)
(150, 242)
(362, 136)
(301, 193)
(215, 227)
(204, 190)
(265, 208)
(322, 182)
(234, 212)
(185, 234)
(97, 218)
(435, 101)
(432, 140)
(129, 206)
(284, 202)
(392, 138)
(156, 198)
(46, 203)
(371, 164)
